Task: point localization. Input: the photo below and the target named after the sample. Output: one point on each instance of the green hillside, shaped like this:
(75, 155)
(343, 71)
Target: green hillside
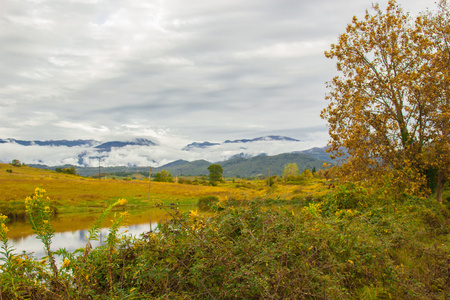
(259, 165)
(234, 167)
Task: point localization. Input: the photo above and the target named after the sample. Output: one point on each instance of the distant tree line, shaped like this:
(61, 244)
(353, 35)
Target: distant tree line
(70, 170)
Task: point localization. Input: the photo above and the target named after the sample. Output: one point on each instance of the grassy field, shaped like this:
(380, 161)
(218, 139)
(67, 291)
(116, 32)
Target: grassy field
(86, 198)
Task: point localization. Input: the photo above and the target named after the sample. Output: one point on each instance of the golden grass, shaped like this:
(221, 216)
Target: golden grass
(70, 190)
(72, 194)
(80, 200)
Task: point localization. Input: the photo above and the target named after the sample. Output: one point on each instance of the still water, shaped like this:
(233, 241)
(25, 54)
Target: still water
(71, 231)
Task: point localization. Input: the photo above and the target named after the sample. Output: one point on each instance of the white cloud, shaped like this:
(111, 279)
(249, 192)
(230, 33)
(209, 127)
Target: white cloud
(214, 70)
(157, 155)
(83, 127)
(286, 50)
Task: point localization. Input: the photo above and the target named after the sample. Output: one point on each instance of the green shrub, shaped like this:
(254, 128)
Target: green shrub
(207, 202)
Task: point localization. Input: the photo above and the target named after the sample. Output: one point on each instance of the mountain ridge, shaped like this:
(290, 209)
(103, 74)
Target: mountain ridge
(142, 151)
(234, 167)
(67, 143)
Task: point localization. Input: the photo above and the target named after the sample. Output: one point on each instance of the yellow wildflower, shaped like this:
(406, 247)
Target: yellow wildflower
(4, 228)
(65, 263)
(39, 191)
(193, 213)
(122, 201)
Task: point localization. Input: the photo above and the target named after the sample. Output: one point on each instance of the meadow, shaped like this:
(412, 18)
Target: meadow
(307, 239)
(86, 198)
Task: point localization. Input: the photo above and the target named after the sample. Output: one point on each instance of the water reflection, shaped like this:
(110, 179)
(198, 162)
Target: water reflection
(72, 240)
(71, 231)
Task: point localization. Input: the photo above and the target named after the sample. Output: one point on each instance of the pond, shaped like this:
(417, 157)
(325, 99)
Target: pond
(71, 230)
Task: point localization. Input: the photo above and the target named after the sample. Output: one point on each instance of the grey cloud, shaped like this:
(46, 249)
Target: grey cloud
(223, 68)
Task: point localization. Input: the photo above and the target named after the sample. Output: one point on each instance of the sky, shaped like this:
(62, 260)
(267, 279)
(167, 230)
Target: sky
(173, 71)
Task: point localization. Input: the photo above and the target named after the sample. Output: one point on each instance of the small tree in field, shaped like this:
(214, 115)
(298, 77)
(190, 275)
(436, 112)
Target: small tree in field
(16, 163)
(389, 107)
(163, 176)
(290, 172)
(215, 173)
(306, 174)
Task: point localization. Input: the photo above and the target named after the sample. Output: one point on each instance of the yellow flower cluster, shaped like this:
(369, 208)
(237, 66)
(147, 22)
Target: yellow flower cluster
(65, 263)
(4, 228)
(345, 213)
(39, 191)
(222, 201)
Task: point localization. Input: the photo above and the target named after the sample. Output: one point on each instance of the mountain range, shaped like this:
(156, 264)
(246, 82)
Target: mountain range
(233, 167)
(138, 152)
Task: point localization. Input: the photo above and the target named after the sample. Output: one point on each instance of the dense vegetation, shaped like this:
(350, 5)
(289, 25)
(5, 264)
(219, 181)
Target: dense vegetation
(351, 243)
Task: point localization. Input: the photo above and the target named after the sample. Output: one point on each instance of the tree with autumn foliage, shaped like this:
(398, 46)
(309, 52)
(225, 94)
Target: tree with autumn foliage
(388, 114)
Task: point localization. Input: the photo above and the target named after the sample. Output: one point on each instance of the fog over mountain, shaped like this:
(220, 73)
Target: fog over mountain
(142, 151)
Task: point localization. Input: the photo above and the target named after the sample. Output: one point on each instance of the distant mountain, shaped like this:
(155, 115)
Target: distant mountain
(263, 138)
(246, 155)
(56, 143)
(116, 144)
(194, 168)
(319, 153)
(195, 145)
(259, 165)
(145, 152)
(176, 163)
(235, 167)
(253, 166)
(270, 138)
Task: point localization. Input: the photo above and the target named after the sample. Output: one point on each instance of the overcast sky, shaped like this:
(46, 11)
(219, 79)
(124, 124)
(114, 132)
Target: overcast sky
(170, 69)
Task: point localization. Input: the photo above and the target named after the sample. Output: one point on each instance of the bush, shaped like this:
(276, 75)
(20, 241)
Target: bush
(184, 181)
(163, 176)
(207, 202)
(306, 175)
